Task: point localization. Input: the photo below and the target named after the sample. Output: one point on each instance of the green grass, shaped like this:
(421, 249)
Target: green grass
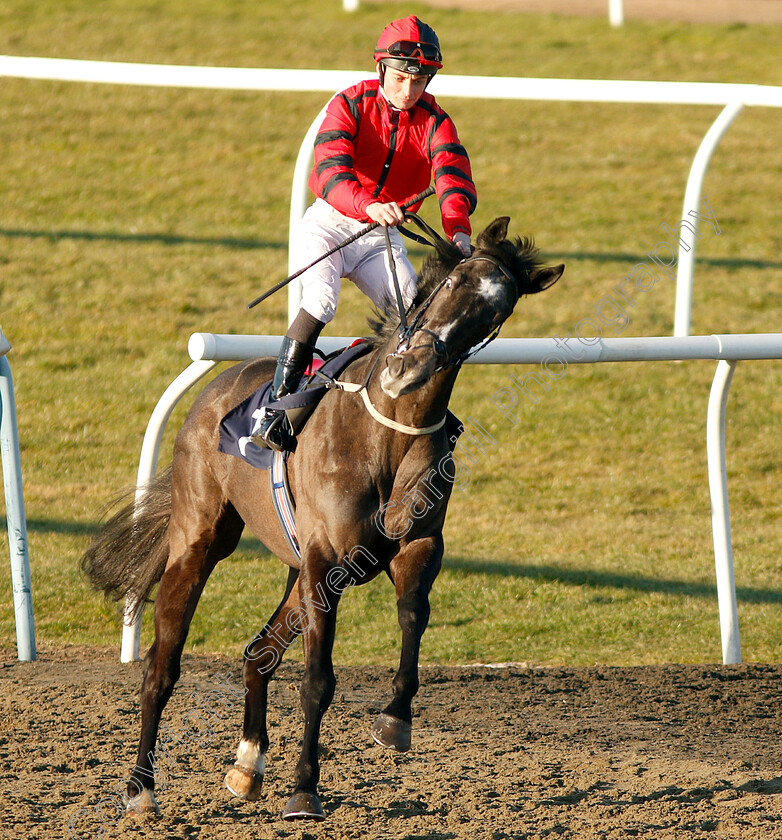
(135, 216)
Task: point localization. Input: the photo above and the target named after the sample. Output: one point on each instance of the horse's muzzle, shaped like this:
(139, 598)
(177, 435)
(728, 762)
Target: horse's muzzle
(406, 372)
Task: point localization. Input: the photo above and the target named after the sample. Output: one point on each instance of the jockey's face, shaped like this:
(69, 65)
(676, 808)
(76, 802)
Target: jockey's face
(403, 90)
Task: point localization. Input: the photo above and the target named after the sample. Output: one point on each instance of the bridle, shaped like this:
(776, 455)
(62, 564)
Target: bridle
(445, 358)
(438, 346)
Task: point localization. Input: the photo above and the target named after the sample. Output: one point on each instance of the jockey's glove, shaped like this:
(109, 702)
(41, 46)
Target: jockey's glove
(462, 242)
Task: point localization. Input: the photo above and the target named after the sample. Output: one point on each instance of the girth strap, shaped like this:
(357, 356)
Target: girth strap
(281, 497)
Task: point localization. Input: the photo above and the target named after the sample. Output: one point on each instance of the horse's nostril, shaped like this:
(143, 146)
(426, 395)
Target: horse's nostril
(396, 365)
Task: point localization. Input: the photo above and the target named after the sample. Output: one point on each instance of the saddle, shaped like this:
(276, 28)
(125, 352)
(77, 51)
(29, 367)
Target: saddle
(241, 423)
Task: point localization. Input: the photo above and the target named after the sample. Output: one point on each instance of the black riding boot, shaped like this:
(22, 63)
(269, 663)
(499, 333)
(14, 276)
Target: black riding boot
(292, 361)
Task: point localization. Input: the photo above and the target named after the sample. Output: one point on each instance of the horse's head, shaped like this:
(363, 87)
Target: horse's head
(469, 303)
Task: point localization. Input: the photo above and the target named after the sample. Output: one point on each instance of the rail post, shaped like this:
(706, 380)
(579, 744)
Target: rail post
(692, 201)
(14, 508)
(720, 512)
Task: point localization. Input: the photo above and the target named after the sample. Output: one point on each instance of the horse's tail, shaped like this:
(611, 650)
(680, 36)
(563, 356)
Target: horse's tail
(128, 555)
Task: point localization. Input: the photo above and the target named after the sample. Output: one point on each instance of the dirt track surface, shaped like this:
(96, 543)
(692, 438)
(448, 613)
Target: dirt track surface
(665, 752)
(691, 11)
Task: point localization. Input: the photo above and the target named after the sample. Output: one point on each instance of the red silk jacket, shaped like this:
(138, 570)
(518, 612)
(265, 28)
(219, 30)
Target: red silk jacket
(367, 151)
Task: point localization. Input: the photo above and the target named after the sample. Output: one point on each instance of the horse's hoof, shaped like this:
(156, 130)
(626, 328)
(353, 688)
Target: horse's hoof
(141, 804)
(392, 732)
(244, 783)
(304, 806)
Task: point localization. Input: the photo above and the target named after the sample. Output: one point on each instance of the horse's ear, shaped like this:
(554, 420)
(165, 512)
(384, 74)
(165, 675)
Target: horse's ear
(543, 278)
(494, 233)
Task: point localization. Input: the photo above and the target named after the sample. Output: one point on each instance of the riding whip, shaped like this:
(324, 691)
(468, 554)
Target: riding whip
(420, 197)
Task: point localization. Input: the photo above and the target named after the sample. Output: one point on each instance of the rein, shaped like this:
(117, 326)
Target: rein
(352, 387)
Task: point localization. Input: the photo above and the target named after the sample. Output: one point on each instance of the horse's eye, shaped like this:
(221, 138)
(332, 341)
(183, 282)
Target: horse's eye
(449, 283)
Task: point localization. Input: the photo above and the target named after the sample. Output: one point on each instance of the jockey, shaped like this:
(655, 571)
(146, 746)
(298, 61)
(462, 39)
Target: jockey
(379, 145)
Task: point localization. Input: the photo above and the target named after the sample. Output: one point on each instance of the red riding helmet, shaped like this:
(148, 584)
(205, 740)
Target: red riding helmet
(411, 46)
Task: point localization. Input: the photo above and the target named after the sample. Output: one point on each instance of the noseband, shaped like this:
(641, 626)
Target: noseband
(438, 346)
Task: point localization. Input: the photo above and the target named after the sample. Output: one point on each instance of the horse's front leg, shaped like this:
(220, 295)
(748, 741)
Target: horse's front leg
(413, 572)
(262, 655)
(318, 617)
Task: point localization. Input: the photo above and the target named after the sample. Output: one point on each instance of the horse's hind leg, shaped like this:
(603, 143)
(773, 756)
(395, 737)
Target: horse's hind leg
(203, 530)
(262, 655)
(413, 572)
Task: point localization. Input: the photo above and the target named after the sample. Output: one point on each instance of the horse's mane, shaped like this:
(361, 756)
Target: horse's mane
(520, 256)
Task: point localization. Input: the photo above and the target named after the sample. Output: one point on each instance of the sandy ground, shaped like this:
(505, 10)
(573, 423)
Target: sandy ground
(711, 11)
(681, 752)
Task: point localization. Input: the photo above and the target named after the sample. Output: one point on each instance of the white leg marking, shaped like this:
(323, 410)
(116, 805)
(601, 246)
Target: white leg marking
(143, 803)
(249, 755)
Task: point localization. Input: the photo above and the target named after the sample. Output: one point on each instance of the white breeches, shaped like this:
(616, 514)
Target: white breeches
(364, 262)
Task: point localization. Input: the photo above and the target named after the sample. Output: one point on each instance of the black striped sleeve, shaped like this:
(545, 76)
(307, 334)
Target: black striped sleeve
(471, 199)
(335, 181)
